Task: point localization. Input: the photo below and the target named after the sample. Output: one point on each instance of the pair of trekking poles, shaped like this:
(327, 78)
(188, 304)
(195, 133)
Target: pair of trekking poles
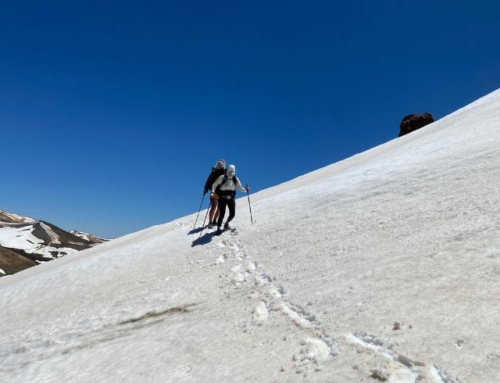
(208, 209)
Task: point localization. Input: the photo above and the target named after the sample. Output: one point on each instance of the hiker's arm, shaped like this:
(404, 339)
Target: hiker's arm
(217, 183)
(238, 185)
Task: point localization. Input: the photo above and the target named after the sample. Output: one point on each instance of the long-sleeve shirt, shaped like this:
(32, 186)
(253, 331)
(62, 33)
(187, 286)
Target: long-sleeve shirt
(228, 187)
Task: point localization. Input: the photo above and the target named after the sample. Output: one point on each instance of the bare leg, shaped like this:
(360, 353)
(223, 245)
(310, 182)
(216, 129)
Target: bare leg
(214, 212)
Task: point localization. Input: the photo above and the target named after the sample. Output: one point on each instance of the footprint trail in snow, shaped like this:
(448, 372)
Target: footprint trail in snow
(316, 346)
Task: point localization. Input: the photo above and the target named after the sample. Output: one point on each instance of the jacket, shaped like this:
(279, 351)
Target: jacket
(226, 187)
(212, 177)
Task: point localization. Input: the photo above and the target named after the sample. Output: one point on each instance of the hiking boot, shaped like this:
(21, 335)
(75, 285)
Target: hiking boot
(226, 225)
(210, 225)
(218, 232)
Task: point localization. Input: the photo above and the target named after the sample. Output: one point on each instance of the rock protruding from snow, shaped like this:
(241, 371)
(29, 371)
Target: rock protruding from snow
(414, 122)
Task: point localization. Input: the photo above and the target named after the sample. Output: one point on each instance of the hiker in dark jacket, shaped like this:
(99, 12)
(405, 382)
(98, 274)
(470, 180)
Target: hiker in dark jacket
(224, 188)
(218, 170)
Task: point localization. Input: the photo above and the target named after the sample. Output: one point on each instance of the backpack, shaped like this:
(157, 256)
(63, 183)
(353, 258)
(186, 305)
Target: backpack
(226, 192)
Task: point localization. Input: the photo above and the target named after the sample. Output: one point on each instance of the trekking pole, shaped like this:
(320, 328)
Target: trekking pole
(199, 211)
(203, 226)
(250, 207)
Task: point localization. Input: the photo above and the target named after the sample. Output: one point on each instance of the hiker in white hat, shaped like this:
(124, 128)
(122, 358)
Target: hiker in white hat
(224, 189)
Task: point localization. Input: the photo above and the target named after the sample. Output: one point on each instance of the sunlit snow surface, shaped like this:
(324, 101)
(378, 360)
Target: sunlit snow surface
(382, 267)
(22, 238)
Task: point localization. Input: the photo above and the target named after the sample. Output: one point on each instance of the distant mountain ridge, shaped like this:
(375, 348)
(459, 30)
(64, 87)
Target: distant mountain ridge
(88, 237)
(27, 242)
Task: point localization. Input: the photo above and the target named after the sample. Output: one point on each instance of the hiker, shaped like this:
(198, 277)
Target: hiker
(224, 189)
(218, 170)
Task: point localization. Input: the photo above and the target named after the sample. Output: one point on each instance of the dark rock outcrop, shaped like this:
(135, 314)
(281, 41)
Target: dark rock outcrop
(413, 122)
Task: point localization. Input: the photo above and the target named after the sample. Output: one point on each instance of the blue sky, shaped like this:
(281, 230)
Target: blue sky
(113, 112)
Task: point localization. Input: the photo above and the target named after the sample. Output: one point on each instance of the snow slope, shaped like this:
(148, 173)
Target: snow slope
(382, 267)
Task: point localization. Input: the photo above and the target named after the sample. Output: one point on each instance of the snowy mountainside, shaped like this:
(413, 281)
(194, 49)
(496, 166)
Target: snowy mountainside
(26, 242)
(382, 267)
(88, 237)
(14, 218)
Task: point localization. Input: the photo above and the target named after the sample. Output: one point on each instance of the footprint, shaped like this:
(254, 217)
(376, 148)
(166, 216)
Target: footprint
(318, 350)
(221, 259)
(300, 317)
(240, 274)
(260, 313)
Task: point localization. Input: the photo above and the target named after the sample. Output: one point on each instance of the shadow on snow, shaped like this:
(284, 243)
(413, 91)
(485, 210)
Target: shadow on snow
(203, 240)
(197, 230)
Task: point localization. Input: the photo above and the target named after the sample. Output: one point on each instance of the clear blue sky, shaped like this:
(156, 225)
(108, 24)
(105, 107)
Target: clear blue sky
(113, 112)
